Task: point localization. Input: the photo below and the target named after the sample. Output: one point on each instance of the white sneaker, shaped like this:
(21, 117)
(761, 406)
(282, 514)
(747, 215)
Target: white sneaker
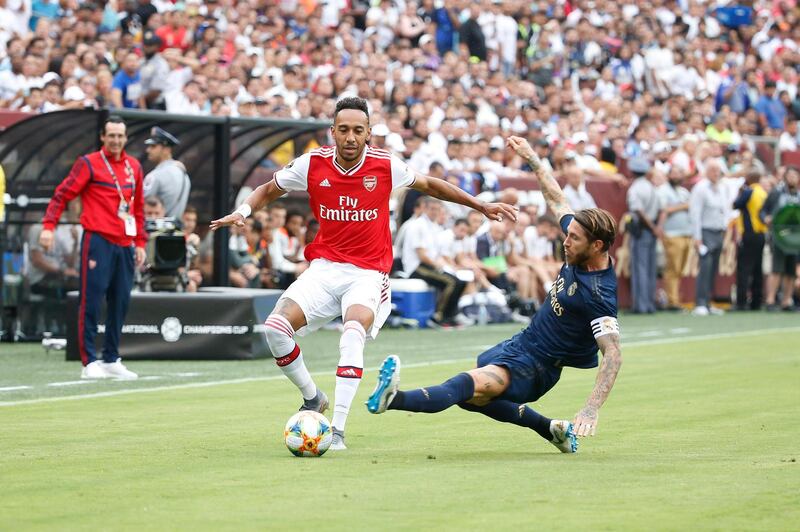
(337, 443)
(94, 370)
(516, 317)
(563, 436)
(462, 320)
(700, 311)
(117, 370)
(714, 311)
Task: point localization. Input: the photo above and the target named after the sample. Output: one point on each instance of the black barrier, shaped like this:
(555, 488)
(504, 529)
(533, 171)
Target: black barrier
(213, 324)
(221, 154)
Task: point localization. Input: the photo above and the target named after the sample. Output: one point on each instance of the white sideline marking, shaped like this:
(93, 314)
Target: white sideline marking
(72, 383)
(648, 334)
(673, 340)
(14, 388)
(186, 374)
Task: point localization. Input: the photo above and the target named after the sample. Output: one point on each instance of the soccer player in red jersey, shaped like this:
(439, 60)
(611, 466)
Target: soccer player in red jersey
(349, 185)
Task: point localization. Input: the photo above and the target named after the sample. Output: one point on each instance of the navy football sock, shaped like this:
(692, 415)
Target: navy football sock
(509, 412)
(436, 398)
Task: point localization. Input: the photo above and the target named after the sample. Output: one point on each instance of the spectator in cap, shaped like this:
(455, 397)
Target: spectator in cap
(771, 111)
(168, 181)
(661, 152)
(588, 163)
(378, 135)
(644, 206)
(154, 73)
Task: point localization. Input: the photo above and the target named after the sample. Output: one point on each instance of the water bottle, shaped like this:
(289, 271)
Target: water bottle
(483, 312)
(483, 315)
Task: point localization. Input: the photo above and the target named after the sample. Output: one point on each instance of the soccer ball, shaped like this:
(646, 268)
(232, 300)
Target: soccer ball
(308, 433)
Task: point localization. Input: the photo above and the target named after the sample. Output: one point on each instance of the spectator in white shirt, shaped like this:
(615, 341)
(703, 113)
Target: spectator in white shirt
(421, 261)
(788, 139)
(575, 190)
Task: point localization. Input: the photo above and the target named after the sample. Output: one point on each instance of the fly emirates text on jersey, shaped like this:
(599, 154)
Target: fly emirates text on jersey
(347, 211)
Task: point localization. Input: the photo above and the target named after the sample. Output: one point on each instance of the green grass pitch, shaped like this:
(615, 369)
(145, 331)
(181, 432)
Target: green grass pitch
(700, 432)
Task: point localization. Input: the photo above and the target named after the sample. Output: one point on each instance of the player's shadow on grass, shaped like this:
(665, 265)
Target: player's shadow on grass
(492, 456)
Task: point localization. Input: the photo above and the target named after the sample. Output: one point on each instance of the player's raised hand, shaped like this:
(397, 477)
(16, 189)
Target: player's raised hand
(523, 149)
(585, 422)
(498, 211)
(234, 218)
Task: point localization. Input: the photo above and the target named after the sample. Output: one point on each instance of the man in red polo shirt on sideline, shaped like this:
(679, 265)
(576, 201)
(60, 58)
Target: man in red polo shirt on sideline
(109, 183)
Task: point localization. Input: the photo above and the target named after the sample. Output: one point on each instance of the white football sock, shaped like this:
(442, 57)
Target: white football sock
(348, 374)
(280, 338)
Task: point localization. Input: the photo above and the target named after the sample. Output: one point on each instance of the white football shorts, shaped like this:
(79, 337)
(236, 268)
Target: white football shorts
(327, 289)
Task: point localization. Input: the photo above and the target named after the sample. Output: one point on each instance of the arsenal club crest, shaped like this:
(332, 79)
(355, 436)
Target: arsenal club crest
(370, 182)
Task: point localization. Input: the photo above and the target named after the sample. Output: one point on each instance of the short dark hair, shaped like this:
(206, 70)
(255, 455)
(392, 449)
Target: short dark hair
(276, 206)
(599, 225)
(547, 219)
(190, 209)
(791, 168)
(153, 201)
(292, 214)
(352, 102)
(113, 119)
(460, 221)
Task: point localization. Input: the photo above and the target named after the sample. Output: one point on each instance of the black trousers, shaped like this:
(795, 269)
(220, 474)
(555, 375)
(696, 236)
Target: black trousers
(450, 290)
(749, 273)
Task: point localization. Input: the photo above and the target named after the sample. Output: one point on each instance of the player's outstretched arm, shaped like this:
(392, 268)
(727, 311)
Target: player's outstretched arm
(441, 189)
(553, 195)
(585, 421)
(261, 196)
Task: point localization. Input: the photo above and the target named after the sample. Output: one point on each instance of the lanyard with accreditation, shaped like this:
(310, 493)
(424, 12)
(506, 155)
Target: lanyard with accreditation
(125, 209)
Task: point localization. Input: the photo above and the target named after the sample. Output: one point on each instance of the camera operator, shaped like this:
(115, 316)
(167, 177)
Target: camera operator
(167, 251)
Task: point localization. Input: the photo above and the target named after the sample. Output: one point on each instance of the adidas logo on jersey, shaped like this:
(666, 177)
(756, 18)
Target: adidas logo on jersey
(325, 183)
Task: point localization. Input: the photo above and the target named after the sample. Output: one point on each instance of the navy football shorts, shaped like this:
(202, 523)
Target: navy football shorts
(531, 376)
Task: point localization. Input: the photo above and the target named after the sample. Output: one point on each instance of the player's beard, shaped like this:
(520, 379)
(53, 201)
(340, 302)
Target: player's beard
(577, 259)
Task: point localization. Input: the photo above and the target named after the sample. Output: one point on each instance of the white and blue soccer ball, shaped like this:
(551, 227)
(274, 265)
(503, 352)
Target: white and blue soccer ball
(308, 433)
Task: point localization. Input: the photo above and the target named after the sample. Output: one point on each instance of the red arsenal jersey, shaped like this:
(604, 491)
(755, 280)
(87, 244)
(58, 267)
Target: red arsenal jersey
(352, 206)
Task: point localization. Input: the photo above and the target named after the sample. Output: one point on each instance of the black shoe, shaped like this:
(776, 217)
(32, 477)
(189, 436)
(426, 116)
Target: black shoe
(788, 308)
(772, 308)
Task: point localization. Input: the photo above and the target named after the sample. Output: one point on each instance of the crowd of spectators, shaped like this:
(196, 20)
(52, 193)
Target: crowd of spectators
(686, 85)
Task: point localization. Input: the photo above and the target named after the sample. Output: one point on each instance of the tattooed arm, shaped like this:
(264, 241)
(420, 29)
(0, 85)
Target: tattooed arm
(585, 421)
(552, 192)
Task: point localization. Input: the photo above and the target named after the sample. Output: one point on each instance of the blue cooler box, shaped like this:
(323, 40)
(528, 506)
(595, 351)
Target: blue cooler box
(414, 299)
(735, 16)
